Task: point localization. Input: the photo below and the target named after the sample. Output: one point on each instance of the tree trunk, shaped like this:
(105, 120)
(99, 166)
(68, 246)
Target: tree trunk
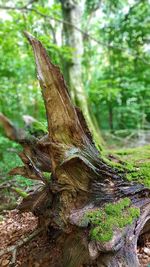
(72, 13)
(110, 115)
(72, 204)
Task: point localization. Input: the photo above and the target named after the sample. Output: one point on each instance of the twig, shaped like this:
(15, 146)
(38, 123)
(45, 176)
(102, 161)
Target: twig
(13, 260)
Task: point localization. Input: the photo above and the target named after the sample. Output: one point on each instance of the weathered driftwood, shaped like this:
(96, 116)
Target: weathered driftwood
(80, 179)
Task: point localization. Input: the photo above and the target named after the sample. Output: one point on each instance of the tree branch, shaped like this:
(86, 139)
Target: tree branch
(27, 9)
(86, 34)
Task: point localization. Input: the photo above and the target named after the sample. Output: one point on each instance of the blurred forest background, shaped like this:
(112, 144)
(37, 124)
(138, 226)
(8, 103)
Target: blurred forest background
(103, 50)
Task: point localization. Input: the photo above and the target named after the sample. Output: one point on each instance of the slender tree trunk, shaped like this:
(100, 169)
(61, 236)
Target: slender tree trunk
(72, 13)
(81, 184)
(110, 112)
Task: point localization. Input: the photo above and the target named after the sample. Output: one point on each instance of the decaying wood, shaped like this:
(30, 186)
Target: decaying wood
(80, 179)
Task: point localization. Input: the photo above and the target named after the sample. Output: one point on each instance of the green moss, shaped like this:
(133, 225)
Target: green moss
(111, 163)
(134, 153)
(47, 176)
(104, 221)
(140, 172)
(98, 234)
(39, 126)
(116, 209)
(134, 212)
(142, 175)
(20, 192)
(136, 164)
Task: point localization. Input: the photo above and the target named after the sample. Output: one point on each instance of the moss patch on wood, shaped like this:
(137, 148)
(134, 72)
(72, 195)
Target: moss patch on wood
(112, 216)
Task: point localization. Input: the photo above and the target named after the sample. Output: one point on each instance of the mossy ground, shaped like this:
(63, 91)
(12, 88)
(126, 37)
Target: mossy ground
(104, 221)
(137, 164)
(134, 162)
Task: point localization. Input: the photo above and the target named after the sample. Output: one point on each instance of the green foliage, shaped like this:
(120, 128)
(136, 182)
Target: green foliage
(104, 221)
(38, 129)
(8, 156)
(9, 160)
(20, 92)
(118, 84)
(116, 68)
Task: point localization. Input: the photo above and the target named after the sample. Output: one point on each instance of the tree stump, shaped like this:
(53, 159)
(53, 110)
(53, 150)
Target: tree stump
(93, 215)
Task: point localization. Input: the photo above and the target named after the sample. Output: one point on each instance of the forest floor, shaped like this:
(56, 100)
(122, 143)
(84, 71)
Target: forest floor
(22, 243)
(19, 234)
